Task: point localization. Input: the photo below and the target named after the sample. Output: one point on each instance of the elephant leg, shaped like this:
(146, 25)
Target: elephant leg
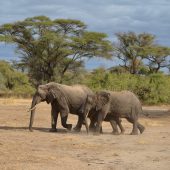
(135, 126)
(54, 117)
(120, 125)
(86, 124)
(99, 123)
(140, 127)
(92, 125)
(64, 123)
(81, 120)
(77, 128)
(114, 127)
(101, 130)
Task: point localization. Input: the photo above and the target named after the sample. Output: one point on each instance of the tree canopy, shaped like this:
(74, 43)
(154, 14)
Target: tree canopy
(132, 49)
(50, 48)
(55, 50)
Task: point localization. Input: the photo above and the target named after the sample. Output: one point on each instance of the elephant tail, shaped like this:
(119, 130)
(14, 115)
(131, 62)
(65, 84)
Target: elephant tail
(144, 113)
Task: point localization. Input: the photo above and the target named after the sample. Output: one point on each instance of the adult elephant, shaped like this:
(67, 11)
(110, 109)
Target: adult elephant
(64, 99)
(113, 106)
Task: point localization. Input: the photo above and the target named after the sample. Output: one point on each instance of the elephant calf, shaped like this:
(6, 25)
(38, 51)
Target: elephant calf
(114, 105)
(114, 122)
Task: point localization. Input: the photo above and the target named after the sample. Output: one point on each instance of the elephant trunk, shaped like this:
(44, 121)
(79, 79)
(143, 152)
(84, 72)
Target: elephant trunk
(85, 114)
(36, 99)
(86, 125)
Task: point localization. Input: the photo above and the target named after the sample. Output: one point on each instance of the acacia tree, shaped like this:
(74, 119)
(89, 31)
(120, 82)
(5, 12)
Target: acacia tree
(50, 48)
(158, 57)
(130, 48)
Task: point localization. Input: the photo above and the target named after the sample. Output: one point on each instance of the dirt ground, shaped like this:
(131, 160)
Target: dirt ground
(43, 150)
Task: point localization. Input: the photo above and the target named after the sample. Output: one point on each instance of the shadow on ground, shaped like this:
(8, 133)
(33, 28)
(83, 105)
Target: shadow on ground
(41, 129)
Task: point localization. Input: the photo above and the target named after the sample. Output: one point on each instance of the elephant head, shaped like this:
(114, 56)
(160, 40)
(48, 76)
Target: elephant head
(102, 98)
(48, 92)
(96, 102)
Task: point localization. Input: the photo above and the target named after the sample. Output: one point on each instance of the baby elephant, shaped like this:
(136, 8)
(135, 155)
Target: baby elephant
(115, 122)
(115, 105)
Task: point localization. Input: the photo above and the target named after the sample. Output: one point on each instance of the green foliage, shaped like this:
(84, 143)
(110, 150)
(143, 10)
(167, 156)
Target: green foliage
(159, 89)
(47, 45)
(157, 57)
(54, 50)
(2, 83)
(151, 89)
(13, 82)
(132, 49)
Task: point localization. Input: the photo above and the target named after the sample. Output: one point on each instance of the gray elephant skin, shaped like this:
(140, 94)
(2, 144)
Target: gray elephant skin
(114, 121)
(111, 105)
(64, 99)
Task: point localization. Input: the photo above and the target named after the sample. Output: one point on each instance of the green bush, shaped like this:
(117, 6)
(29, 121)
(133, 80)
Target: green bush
(151, 89)
(13, 83)
(2, 82)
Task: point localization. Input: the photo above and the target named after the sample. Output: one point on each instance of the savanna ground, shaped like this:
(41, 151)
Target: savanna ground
(42, 150)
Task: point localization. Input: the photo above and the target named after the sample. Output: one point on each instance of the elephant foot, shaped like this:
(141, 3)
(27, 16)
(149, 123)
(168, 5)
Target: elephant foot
(115, 133)
(31, 130)
(92, 129)
(134, 133)
(97, 132)
(142, 129)
(122, 133)
(53, 130)
(76, 129)
(69, 127)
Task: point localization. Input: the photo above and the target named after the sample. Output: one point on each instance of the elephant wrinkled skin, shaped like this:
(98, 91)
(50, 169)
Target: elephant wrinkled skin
(111, 106)
(64, 99)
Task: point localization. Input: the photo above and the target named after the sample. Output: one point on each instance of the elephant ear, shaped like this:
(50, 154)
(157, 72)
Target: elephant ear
(42, 91)
(58, 95)
(90, 99)
(103, 98)
(50, 96)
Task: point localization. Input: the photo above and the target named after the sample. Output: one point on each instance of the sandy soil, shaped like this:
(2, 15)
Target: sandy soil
(42, 150)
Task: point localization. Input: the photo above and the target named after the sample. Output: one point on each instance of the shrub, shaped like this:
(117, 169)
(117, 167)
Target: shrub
(151, 89)
(13, 83)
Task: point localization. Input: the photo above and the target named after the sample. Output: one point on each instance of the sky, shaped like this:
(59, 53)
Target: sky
(108, 16)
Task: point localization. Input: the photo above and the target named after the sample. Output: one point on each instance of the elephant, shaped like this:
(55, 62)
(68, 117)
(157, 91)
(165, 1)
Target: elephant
(64, 99)
(109, 118)
(111, 105)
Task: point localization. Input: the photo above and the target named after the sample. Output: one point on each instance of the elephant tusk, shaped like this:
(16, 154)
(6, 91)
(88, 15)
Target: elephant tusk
(86, 114)
(31, 109)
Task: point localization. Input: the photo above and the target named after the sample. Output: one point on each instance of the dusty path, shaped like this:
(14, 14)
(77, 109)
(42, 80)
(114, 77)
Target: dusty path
(42, 150)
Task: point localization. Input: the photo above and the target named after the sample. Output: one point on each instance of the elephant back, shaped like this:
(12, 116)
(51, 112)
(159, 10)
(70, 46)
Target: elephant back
(125, 101)
(75, 95)
(76, 90)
